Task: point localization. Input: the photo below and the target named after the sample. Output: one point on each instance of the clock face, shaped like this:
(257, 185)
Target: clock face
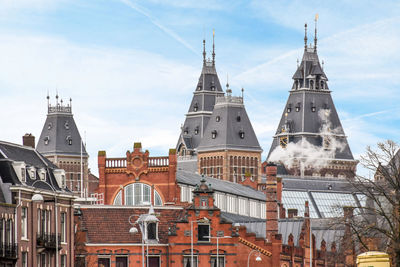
(283, 141)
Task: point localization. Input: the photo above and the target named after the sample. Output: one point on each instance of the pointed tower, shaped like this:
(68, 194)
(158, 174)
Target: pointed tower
(229, 149)
(62, 144)
(200, 110)
(310, 140)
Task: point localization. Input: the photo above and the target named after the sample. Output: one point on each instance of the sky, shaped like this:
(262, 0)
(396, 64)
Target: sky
(131, 66)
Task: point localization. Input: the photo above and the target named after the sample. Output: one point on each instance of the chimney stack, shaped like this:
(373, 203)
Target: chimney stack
(292, 213)
(272, 202)
(28, 140)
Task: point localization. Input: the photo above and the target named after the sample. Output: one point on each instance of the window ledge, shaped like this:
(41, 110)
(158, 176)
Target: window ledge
(64, 243)
(24, 239)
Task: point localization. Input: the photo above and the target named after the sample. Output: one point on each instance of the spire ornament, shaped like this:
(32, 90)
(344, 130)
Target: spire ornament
(204, 52)
(315, 34)
(305, 37)
(213, 51)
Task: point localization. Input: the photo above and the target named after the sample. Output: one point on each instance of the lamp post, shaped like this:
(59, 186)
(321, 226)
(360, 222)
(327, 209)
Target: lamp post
(39, 198)
(203, 220)
(258, 258)
(218, 237)
(143, 221)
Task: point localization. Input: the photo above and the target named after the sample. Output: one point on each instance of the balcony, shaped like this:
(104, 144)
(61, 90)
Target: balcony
(48, 241)
(8, 251)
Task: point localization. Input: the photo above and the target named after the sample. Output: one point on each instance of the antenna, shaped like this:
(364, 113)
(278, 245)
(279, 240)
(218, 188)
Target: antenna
(305, 37)
(213, 51)
(204, 51)
(315, 34)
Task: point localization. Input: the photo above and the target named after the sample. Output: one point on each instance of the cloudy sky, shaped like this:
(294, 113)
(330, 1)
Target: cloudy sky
(131, 66)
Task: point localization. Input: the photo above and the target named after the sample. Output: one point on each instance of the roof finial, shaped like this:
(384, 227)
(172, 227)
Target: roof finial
(227, 81)
(305, 37)
(57, 96)
(213, 52)
(315, 34)
(242, 93)
(297, 62)
(70, 102)
(204, 52)
(323, 64)
(48, 98)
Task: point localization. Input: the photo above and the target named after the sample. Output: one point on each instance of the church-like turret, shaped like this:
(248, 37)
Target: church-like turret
(62, 144)
(310, 140)
(201, 107)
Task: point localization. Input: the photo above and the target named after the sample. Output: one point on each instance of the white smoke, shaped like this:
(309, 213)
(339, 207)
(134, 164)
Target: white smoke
(305, 154)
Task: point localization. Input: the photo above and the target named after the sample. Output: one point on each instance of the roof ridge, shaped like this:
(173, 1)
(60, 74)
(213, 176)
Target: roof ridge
(16, 145)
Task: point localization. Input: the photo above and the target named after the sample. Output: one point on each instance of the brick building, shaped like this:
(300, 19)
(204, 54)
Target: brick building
(36, 223)
(247, 223)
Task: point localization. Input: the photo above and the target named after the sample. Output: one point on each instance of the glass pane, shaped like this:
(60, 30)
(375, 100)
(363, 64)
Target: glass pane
(118, 199)
(146, 194)
(121, 261)
(157, 199)
(151, 231)
(187, 261)
(138, 194)
(331, 204)
(296, 200)
(129, 195)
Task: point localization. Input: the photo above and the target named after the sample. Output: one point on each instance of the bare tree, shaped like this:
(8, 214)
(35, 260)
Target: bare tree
(376, 225)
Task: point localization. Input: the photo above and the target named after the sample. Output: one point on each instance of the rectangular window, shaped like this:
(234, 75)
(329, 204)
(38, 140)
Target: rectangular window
(203, 230)
(63, 226)
(63, 260)
(121, 261)
(221, 261)
(43, 222)
(24, 221)
(24, 259)
(8, 232)
(187, 261)
(42, 260)
(23, 174)
(104, 262)
(78, 183)
(154, 261)
(152, 231)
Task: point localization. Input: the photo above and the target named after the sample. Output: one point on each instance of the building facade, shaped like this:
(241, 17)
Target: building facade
(36, 224)
(61, 142)
(310, 140)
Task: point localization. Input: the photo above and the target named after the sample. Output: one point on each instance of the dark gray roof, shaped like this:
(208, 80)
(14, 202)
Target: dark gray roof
(201, 107)
(301, 117)
(317, 184)
(232, 127)
(10, 153)
(192, 179)
(58, 129)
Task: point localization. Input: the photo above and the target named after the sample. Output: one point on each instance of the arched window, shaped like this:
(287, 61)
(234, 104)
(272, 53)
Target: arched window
(137, 194)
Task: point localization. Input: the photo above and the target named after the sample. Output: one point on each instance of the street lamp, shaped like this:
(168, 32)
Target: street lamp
(258, 258)
(39, 198)
(218, 237)
(203, 220)
(143, 221)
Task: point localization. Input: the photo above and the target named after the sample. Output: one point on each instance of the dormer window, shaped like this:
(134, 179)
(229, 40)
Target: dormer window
(32, 173)
(69, 140)
(63, 183)
(46, 140)
(49, 126)
(238, 118)
(23, 174)
(241, 134)
(212, 88)
(186, 131)
(214, 134)
(218, 118)
(289, 108)
(298, 107)
(195, 107)
(313, 108)
(322, 85)
(66, 125)
(196, 130)
(42, 175)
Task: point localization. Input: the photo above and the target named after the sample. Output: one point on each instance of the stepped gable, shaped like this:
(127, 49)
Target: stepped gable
(60, 134)
(229, 127)
(310, 113)
(201, 106)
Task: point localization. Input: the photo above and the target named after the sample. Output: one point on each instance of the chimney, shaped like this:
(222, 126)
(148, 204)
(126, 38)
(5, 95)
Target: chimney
(271, 202)
(292, 213)
(28, 140)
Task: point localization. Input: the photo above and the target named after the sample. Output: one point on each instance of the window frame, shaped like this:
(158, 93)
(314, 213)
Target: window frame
(203, 240)
(24, 222)
(189, 259)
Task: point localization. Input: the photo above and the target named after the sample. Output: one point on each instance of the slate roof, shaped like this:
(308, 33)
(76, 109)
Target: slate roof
(200, 109)
(10, 153)
(192, 179)
(301, 119)
(58, 129)
(232, 127)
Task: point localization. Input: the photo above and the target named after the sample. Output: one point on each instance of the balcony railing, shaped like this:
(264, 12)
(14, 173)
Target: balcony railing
(48, 241)
(158, 161)
(9, 251)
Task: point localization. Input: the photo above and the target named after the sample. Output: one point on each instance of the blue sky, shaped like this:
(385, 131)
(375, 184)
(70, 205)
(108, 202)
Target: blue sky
(131, 66)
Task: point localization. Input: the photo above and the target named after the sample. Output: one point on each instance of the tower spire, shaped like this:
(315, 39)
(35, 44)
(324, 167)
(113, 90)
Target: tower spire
(204, 52)
(213, 52)
(305, 36)
(315, 34)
